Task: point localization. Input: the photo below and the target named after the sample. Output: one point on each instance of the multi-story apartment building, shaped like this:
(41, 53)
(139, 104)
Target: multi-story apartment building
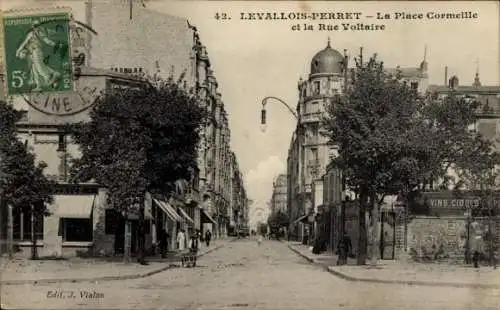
(239, 202)
(488, 96)
(400, 234)
(187, 57)
(164, 45)
(309, 152)
(279, 194)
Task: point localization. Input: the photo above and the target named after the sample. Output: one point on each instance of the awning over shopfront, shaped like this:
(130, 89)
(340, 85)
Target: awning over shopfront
(73, 206)
(186, 216)
(302, 219)
(205, 218)
(169, 210)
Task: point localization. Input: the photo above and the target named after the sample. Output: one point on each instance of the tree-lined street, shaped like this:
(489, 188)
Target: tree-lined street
(243, 275)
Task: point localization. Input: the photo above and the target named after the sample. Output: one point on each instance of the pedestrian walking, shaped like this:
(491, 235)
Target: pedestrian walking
(344, 249)
(181, 240)
(208, 237)
(259, 240)
(476, 250)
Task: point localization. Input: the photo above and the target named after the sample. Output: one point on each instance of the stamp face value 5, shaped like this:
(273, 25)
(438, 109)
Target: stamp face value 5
(37, 53)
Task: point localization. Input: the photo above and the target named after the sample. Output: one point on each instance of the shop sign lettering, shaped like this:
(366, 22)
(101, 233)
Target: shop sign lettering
(465, 203)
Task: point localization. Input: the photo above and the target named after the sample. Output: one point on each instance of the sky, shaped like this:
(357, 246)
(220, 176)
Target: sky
(255, 59)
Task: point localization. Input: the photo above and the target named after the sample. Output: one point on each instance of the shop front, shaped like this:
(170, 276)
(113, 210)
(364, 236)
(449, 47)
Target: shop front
(65, 232)
(167, 218)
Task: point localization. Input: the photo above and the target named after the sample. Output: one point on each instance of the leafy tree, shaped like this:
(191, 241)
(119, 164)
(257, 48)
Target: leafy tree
(481, 176)
(393, 141)
(139, 139)
(22, 183)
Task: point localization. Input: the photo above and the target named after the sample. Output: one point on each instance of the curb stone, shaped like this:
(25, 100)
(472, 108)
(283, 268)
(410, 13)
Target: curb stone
(382, 281)
(107, 278)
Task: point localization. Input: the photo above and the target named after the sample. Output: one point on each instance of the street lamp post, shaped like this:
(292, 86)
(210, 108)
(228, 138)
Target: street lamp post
(300, 128)
(263, 119)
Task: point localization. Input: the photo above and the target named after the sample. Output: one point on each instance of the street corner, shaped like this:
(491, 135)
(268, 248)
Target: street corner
(303, 252)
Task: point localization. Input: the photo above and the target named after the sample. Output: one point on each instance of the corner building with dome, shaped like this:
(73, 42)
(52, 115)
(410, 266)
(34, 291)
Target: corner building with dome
(309, 154)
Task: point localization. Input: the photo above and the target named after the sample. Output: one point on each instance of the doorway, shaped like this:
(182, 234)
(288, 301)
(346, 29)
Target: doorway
(120, 236)
(387, 235)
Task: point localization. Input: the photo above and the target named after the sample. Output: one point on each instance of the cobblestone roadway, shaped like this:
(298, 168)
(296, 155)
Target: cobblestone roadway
(245, 276)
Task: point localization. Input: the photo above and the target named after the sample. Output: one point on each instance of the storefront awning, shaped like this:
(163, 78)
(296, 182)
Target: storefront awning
(73, 206)
(302, 219)
(205, 217)
(185, 215)
(169, 210)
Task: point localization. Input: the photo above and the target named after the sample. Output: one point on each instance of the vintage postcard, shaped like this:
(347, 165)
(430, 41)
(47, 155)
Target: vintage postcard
(161, 154)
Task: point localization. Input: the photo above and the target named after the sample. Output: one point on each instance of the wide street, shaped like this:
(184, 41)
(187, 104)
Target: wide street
(243, 275)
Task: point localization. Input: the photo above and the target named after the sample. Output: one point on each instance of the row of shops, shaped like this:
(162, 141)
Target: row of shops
(80, 223)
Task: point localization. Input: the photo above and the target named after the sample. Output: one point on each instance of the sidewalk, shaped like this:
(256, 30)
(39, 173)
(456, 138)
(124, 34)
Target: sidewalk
(395, 272)
(22, 271)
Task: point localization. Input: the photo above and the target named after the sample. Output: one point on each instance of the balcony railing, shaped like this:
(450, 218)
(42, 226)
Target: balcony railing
(311, 117)
(487, 110)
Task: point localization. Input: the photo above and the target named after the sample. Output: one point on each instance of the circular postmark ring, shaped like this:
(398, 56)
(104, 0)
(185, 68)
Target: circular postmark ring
(79, 98)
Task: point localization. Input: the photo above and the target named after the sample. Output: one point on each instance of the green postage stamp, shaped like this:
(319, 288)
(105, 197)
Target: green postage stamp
(37, 53)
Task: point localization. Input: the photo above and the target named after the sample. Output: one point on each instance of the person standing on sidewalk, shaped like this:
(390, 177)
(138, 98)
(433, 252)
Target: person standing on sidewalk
(475, 248)
(181, 240)
(208, 237)
(343, 249)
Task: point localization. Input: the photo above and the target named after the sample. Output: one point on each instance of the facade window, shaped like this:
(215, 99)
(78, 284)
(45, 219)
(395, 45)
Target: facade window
(414, 85)
(314, 156)
(61, 143)
(76, 230)
(306, 107)
(22, 226)
(111, 221)
(314, 131)
(317, 87)
(314, 107)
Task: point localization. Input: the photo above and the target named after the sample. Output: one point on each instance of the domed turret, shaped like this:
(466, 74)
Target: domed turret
(327, 60)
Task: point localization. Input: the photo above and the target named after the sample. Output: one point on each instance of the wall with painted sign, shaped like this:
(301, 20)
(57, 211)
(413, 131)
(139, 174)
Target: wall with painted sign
(445, 203)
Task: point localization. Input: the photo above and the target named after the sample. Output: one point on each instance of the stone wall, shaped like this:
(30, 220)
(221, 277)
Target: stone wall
(441, 239)
(437, 239)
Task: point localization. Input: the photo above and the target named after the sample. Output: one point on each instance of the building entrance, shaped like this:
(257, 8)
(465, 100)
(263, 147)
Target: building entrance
(387, 235)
